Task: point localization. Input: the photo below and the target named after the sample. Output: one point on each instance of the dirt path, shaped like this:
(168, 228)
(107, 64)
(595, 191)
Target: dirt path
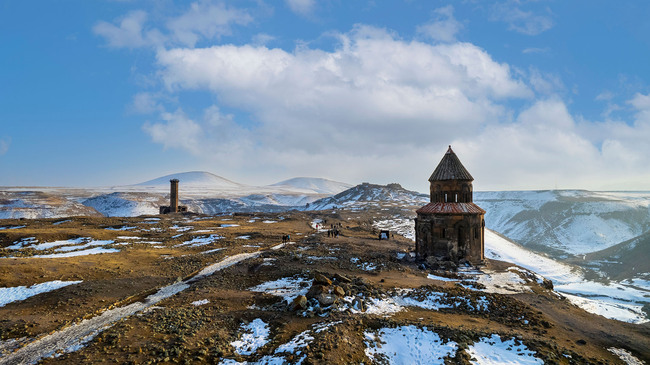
(73, 338)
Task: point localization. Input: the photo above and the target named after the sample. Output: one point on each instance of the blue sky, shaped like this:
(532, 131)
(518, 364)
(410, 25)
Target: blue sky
(531, 94)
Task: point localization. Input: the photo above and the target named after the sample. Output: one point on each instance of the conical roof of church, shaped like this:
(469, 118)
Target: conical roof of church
(450, 168)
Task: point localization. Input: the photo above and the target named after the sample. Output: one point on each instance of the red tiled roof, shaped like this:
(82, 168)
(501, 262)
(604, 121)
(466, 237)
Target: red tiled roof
(450, 168)
(450, 208)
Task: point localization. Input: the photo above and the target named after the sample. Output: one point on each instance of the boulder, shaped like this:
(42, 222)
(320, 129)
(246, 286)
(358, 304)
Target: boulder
(342, 278)
(359, 304)
(326, 300)
(338, 291)
(322, 280)
(299, 303)
(316, 290)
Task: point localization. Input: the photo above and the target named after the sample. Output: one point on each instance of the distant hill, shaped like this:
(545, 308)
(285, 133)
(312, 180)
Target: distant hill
(561, 222)
(318, 185)
(372, 194)
(194, 179)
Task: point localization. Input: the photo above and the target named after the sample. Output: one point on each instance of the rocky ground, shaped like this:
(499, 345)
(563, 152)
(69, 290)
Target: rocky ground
(316, 299)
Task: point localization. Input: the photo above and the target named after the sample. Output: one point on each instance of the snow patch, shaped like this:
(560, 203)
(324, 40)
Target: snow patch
(494, 351)
(408, 345)
(626, 356)
(255, 335)
(17, 293)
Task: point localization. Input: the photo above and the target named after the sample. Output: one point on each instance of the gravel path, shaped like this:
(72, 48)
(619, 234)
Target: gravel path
(74, 337)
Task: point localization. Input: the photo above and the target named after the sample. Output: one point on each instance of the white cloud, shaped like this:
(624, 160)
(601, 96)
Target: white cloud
(129, 33)
(178, 131)
(545, 83)
(4, 145)
(353, 113)
(605, 95)
(535, 50)
(262, 39)
(373, 90)
(378, 103)
(525, 22)
(301, 7)
(146, 103)
(443, 27)
(203, 20)
(545, 148)
(214, 135)
(207, 20)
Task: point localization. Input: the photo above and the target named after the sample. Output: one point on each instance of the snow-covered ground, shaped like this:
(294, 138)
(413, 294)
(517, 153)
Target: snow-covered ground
(408, 345)
(616, 300)
(494, 350)
(17, 293)
(254, 335)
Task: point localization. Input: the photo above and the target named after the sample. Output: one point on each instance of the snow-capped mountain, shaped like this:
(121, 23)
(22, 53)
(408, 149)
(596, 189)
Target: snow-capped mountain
(318, 185)
(194, 180)
(370, 194)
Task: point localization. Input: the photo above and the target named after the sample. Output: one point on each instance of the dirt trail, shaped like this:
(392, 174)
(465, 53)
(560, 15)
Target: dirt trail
(73, 338)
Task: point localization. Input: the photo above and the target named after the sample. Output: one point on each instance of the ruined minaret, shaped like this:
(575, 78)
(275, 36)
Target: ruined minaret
(173, 196)
(173, 206)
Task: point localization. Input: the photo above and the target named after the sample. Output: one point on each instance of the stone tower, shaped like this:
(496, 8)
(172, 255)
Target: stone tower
(173, 195)
(173, 206)
(451, 227)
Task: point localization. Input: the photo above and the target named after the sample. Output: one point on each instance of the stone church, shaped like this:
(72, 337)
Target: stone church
(451, 226)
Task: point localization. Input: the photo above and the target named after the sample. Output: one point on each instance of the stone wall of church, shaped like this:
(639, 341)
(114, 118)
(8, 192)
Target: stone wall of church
(450, 237)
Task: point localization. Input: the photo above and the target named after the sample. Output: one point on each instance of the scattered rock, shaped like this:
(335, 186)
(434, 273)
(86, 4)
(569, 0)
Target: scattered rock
(581, 342)
(342, 278)
(316, 290)
(322, 280)
(338, 291)
(299, 303)
(547, 284)
(326, 299)
(359, 304)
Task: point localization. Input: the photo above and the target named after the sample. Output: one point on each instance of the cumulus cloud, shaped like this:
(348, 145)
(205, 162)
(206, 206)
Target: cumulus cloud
(443, 27)
(521, 21)
(203, 20)
(372, 91)
(546, 148)
(301, 7)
